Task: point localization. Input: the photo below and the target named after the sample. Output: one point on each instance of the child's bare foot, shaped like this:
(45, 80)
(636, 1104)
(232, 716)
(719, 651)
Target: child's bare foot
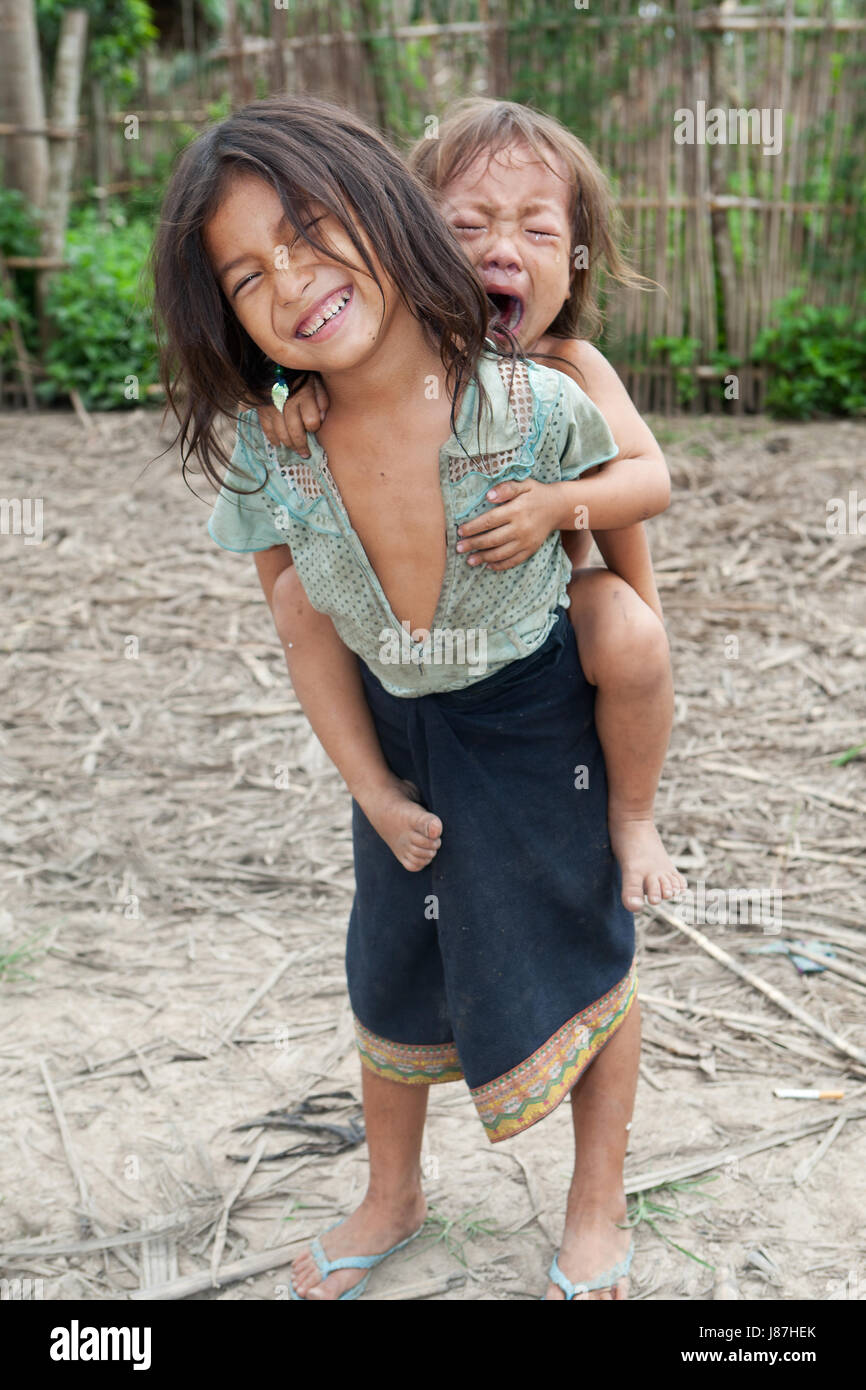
(371, 1230)
(646, 866)
(394, 811)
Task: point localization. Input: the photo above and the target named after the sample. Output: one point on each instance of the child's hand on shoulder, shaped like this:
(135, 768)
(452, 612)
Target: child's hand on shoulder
(304, 410)
(519, 522)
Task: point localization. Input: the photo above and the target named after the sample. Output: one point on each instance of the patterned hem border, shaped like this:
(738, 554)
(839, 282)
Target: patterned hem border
(523, 1096)
(424, 1064)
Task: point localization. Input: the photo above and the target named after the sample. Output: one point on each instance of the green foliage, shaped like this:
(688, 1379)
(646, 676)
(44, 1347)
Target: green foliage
(117, 31)
(100, 311)
(19, 236)
(816, 359)
(19, 225)
(682, 355)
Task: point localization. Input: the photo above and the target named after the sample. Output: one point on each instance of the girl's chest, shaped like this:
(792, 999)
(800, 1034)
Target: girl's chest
(393, 501)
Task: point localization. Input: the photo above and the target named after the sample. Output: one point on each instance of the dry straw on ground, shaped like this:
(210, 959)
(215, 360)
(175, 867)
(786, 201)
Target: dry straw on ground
(183, 917)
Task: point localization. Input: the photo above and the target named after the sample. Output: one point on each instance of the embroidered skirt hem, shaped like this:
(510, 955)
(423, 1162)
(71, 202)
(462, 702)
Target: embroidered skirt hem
(528, 1092)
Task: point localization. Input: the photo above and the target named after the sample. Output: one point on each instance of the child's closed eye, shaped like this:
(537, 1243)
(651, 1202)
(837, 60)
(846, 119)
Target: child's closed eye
(239, 286)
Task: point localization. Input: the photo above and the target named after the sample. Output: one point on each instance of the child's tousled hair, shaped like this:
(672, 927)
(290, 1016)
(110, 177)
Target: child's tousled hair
(480, 125)
(308, 150)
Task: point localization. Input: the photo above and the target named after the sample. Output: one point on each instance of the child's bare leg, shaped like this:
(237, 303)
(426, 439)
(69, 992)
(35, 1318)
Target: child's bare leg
(328, 684)
(394, 1205)
(624, 653)
(601, 1106)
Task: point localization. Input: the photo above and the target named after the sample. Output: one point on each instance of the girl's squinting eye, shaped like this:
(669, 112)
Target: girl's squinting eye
(254, 274)
(466, 227)
(532, 232)
(241, 283)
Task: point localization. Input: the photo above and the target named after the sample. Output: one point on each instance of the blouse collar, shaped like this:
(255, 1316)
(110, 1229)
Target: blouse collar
(497, 430)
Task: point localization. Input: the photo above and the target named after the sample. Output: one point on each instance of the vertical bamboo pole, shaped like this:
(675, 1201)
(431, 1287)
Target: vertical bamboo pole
(65, 96)
(369, 15)
(778, 91)
(721, 239)
(276, 57)
(100, 133)
(658, 311)
(22, 101)
(187, 19)
(238, 81)
(342, 68)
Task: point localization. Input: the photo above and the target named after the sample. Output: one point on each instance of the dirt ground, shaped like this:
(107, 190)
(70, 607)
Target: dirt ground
(176, 880)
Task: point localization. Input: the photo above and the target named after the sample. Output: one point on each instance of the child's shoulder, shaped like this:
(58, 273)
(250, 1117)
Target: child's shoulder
(577, 359)
(522, 384)
(547, 406)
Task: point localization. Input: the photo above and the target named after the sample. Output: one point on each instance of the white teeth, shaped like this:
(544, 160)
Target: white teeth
(335, 306)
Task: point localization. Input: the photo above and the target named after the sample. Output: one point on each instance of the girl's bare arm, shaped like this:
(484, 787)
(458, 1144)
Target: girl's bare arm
(269, 564)
(624, 550)
(325, 677)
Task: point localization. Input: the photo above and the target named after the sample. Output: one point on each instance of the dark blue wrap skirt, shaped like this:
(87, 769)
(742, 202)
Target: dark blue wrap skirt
(509, 960)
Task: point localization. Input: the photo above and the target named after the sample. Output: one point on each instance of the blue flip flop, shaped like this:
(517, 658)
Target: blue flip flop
(368, 1262)
(603, 1281)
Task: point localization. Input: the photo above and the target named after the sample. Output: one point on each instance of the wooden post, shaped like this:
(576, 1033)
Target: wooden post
(68, 68)
(101, 167)
(23, 102)
(277, 64)
(25, 368)
(369, 17)
(724, 254)
(240, 93)
(497, 74)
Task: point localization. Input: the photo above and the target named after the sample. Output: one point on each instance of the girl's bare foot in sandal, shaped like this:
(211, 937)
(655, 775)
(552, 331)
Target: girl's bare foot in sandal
(374, 1227)
(593, 1241)
(393, 809)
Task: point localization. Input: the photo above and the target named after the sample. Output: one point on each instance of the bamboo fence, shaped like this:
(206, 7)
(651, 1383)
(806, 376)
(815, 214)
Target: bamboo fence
(724, 229)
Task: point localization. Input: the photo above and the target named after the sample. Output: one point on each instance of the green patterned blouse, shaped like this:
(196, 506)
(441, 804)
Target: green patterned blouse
(545, 427)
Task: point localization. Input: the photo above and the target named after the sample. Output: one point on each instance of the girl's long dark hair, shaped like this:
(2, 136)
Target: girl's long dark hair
(309, 151)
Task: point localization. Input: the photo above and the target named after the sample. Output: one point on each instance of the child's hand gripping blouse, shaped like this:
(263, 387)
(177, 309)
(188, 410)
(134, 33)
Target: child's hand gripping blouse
(549, 430)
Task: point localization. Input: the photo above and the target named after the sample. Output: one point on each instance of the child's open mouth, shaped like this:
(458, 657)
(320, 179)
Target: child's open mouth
(322, 321)
(507, 310)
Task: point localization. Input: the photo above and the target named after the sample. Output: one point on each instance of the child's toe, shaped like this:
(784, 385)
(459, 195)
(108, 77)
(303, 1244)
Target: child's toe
(632, 891)
(653, 888)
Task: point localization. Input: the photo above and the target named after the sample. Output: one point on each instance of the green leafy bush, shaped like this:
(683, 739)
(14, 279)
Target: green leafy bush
(117, 31)
(816, 359)
(101, 315)
(19, 236)
(681, 354)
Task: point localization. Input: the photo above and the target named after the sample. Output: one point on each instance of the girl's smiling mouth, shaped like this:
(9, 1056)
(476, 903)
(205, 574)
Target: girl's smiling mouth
(323, 319)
